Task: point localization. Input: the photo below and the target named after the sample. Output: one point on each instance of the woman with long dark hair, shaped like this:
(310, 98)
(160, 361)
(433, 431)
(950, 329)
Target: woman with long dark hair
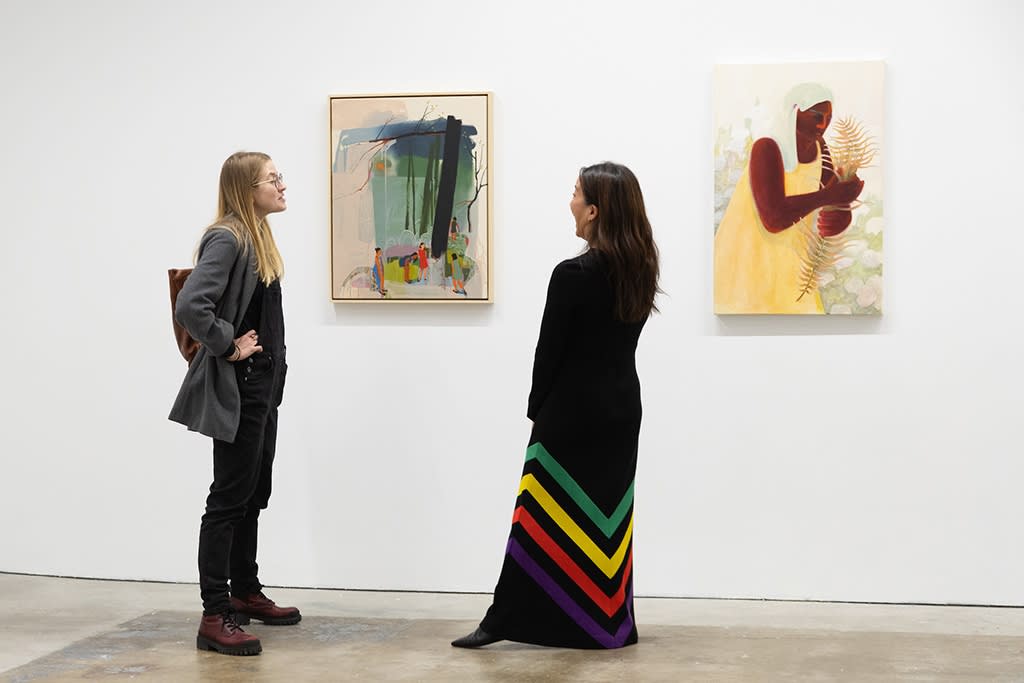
(567, 577)
(231, 304)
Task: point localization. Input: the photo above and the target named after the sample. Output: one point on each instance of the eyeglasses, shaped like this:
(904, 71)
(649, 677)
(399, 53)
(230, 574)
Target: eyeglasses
(277, 179)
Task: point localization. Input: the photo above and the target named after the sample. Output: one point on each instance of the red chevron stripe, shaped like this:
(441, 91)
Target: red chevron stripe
(608, 604)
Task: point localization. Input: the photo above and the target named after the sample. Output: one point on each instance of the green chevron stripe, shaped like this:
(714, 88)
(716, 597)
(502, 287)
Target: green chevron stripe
(608, 525)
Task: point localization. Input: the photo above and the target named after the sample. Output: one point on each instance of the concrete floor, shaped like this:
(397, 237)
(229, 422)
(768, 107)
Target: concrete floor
(71, 629)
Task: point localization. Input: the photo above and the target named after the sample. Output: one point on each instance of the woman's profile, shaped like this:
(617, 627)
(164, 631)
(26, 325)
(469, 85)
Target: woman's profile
(231, 304)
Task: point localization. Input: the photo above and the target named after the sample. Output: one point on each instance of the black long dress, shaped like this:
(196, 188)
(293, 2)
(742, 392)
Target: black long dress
(567, 578)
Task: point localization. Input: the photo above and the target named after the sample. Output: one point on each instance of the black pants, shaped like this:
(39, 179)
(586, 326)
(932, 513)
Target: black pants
(241, 487)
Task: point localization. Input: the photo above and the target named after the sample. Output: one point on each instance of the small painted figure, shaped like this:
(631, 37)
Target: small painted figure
(421, 254)
(378, 271)
(458, 286)
(406, 263)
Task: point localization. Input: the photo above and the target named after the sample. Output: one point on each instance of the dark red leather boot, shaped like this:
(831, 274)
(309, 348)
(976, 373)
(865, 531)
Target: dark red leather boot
(259, 606)
(221, 633)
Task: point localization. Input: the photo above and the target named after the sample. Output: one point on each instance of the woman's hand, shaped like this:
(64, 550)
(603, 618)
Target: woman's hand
(843, 192)
(836, 214)
(247, 345)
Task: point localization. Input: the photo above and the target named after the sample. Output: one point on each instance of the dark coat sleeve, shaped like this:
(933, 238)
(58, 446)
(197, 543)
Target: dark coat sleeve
(196, 308)
(555, 326)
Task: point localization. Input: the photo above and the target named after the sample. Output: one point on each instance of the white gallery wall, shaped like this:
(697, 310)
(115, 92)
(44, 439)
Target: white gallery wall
(835, 459)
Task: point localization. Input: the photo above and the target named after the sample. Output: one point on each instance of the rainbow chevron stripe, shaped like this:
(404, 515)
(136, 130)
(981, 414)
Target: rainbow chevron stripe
(567, 524)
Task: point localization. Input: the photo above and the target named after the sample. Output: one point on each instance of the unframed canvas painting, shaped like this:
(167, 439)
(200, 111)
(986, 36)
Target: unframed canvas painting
(798, 188)
(410, 200)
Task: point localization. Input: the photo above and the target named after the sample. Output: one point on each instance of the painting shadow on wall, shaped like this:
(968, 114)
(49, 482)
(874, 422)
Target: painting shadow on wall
(411, 315)
(795, 326)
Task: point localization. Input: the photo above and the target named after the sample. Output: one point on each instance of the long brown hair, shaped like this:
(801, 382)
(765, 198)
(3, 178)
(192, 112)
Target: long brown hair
(236, 213)
(622, 234)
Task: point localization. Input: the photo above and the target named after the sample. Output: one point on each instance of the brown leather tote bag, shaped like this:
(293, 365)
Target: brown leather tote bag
(188, 346)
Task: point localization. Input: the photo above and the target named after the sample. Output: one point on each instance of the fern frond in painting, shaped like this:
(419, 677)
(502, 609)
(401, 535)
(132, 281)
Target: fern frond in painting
(852, 148)
(819, 254)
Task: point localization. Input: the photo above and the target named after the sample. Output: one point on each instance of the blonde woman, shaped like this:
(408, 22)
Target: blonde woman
(231, 304)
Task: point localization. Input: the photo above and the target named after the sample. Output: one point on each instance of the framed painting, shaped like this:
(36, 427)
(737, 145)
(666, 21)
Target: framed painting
(410, 198)
(798, 188)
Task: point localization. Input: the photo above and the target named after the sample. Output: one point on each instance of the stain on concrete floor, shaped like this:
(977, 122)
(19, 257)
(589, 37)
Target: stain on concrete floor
(160, 646)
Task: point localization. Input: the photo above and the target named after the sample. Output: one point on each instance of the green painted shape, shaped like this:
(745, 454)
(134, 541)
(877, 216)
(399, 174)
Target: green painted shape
(607, 525)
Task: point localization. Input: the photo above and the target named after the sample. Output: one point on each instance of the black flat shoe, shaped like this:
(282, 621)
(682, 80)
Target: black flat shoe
(477, 638)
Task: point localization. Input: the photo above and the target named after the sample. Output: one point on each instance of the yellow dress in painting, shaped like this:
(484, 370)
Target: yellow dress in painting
(757, 271)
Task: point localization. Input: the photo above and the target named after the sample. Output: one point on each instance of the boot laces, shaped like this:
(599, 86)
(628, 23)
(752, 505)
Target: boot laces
(230, 624)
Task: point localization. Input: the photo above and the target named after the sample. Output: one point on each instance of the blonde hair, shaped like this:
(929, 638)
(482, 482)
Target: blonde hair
(235, 212)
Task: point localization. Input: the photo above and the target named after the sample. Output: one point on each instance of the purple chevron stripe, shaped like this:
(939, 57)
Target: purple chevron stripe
(568, 605)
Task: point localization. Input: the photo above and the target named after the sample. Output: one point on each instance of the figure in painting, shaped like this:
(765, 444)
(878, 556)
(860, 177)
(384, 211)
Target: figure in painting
(458, 285)
(406, 263)
(378, 271)
(761, 242)
(421, 254)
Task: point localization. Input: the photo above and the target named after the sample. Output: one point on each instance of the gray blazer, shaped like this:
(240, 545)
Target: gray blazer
(211, 306)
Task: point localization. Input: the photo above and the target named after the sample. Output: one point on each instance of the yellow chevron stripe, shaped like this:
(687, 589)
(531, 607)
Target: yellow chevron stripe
(608, 565)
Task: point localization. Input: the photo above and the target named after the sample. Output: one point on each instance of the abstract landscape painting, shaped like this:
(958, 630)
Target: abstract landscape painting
(410, 198)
